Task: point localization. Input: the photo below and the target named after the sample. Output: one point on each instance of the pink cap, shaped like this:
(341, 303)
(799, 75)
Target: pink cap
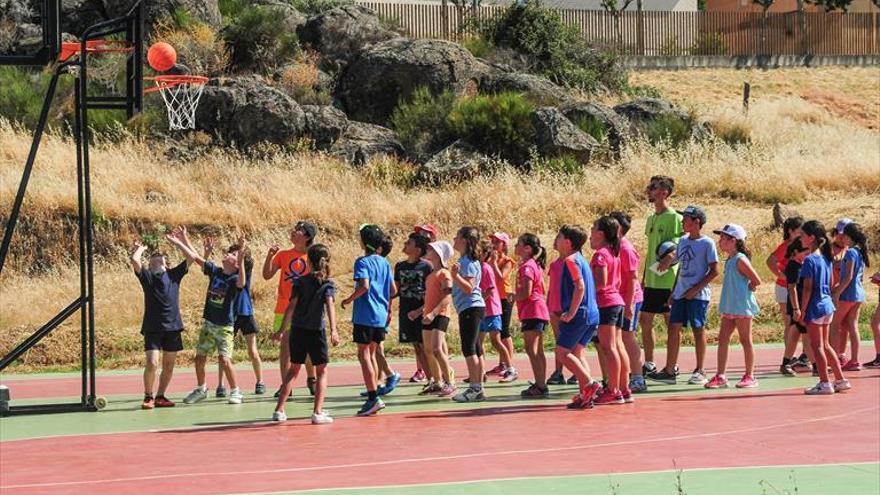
(427, 228)
(501, 237)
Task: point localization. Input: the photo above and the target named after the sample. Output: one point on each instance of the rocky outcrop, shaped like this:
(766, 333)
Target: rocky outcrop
(782, 212)
(324, 124)
(615, 127)
(340, 34)
(642, 111)
(362, 141)
(556, 136)
(536, 88)
(458, 161)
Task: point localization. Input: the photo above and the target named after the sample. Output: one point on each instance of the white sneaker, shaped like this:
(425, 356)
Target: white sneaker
(821, 388)
(509, 375)
(235, 396)
(841, 385)
(470, 395)
(321, 418)
(698, 378)
(198, 394)
(279, 416)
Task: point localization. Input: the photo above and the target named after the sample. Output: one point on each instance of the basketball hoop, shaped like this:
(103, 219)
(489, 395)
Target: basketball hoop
(71, 48)
(181, 94)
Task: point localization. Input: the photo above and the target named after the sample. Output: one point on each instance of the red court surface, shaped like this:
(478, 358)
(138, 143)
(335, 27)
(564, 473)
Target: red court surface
(531, 439)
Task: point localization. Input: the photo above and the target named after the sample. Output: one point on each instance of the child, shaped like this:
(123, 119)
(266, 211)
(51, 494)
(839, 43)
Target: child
(311, 298)
(471, 308)
(371, 297)
(849, 294)
(795, 255)
(531, 306)
(816, 308)
(503, 266)
(776, 262)
(409, 284)
(223, 284)
(435, 318)
(664, 225)
(162, 325)
(698, 260)
(738, 304)
(292, 264)
(632, 295)
(492, 322)
(554, 309)
(605, 266)
(380, 364)
(580, 314)
(875, 326)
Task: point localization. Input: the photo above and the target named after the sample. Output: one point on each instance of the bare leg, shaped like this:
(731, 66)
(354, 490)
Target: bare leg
(608, 343)
(254, 355)
(634, 352)
(287, 386)
(230, 372)
(168, 360)
(851, 327)
(200, 369)
(727, 328)
(150, 368)
(320, 387)
(624, 358)
(499, 346)
(744, 327)
(646, 322)
(284, 356)
(365, 358)
(441, 354)
(554, 324)
(700, 347)
(432, 366)
(534, 342)
(673, 345)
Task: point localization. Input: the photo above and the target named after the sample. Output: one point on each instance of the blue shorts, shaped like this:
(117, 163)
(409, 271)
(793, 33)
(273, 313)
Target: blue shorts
(491, 324)
(574, 333)
(689, 313)
(632, 326)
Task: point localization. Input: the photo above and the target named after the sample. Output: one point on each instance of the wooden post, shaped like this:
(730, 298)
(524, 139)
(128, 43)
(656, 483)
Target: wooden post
(747, 90)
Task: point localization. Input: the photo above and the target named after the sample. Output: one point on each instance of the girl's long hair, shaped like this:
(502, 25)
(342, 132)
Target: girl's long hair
(742, 248)
(319, 259)
(611, 230)
(539, 254)
(814, 228)
(471, 238)
(790, 224)
(860, 240)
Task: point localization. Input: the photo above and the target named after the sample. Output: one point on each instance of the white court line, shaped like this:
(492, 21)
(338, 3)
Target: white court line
(442, 458)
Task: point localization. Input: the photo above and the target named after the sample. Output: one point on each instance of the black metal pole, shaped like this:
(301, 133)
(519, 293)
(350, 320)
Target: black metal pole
(77, 133)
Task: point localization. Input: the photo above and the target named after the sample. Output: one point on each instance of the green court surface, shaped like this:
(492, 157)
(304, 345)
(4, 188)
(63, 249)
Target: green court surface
(836, 479)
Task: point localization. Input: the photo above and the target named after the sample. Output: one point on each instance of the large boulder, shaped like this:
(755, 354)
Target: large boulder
(536, 88)
(781, 212)
(78, 15)
(247, 111)
(324, 124)
(20, 30)
(371, 86)
(556, 136)
(340, 34)
(642, 111)
(206, 11)
(293, 18)
(459, 161)
(613, 125)
(361, 141)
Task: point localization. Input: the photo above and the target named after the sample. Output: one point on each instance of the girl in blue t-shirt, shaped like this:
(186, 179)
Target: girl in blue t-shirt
(849, 294)
(468, 301)
(817, 308)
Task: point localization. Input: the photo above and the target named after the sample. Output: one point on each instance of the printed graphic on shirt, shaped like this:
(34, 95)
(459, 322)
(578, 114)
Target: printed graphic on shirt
(295, 269)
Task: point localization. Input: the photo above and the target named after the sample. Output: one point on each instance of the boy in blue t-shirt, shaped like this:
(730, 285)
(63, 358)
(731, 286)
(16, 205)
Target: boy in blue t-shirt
(698, 265)
(371, 298)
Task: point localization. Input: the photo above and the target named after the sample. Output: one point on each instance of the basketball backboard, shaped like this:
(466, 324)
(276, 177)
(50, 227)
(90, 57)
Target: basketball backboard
(30, 32)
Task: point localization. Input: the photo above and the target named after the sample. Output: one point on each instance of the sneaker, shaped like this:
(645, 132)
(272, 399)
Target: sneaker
(607, 397)
(649, 368)
(198, 394)
(535, 392)
(310, 384)
(148, 403)
(873, 364)
(590, 391)
(509, 375)
(578, 402)
(430, 388)
(278, 393)
(572, 380)
(841, 385)
(842, 358)
(638, 384)
(447, 390)
(717, 381)
(556, 378)
(627, 396)
(852, 366)
(697, 378)
(380, 390)
(220, 392)
(470, 395)
(235, 396)
(260, 388)
(664, 377)
(747, 381)
(163, 401)
(787, 370)
(802, 361)
(321, 418)
(371, 406)
(821, 388)
(391, 382)
(497, 370)
(418, 377)
(279, 416)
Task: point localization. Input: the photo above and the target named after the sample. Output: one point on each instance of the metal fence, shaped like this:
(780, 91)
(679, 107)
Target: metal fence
(653, 33)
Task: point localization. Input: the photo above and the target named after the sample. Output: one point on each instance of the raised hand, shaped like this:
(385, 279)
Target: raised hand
(273, 250)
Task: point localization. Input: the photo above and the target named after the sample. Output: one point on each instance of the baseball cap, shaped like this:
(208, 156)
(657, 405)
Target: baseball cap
(694, 212)
(443, 250)
(426, 228)
(841, 224)
(308, 229)
(733, 230)
(500, 237)
(665, 248)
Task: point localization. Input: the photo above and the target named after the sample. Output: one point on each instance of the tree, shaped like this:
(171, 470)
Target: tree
(832, 5)
(615, 7)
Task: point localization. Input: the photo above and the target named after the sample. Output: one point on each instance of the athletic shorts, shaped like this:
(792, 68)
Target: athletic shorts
(689, 313)
(410, 330)
(533, 325)
(506, 314)
(823, 320)
(575, 333)
(439, 322)
(656, 300)
(163, 341)
(247, 325)
(215, 337)
(363, 334)
(308, 343)
(781, 294)
(491, 324)
(632, 326)
(612, 316)
(469, 328)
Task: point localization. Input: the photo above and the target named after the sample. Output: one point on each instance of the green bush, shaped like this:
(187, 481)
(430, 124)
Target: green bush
(592, 126)
(315, 7)
(563, 165)
(259, 39)
(642, 91)
(421, 123)
(478, 47)
(496, 124)
(670, 129)
(21, 95)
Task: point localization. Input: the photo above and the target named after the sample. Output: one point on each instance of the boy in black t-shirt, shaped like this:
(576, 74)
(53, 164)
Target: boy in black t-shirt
(795, 253)
(162, 325)
(409, 285)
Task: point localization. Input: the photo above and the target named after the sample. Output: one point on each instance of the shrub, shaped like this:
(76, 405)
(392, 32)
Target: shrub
(592, 126)
(21, 95)
(196, 43)
(671, 129)
(259, 39)
(478, 47)
(300, 79)
(563, 165)
(315, 7)
(709, 44)
(421, 123)
(642, 91)
(496, 124)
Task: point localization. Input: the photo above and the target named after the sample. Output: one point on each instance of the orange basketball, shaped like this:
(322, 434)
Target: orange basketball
(161, 56)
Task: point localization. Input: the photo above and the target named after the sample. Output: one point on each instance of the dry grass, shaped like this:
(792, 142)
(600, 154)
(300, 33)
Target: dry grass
(800, 153)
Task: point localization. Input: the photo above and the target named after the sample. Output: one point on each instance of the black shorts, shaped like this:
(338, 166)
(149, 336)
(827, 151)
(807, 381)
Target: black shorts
(163, 341)
(506, 313)
(365, 335)
(410, 331)
(469, 327)
(309, 343)
(656, 300)
(612, 315)
(438, 323)
(246, 324)
(533, 325)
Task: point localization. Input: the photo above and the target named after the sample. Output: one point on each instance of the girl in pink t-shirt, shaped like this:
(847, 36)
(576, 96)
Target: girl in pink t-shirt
(631, 291)
(492, 323)
(605, 240)
(531, 307)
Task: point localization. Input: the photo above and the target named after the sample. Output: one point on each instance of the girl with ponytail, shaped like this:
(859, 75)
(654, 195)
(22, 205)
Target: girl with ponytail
(531, 307)
(849, 294)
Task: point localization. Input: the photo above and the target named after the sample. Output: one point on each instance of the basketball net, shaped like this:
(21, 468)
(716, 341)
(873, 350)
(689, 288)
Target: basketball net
(181, 95)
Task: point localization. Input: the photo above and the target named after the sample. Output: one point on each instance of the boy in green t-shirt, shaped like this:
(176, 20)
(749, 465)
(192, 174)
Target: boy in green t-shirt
(663, 225)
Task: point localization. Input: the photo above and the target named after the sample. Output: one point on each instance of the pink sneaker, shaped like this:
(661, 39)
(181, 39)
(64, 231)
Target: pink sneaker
(747, 381)
(418, 377)
(446, 390)
(843, 359)
(607, 397)
(627, 396)
(717, 381)
(852, 366)
(497, 370)
(589, 392)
